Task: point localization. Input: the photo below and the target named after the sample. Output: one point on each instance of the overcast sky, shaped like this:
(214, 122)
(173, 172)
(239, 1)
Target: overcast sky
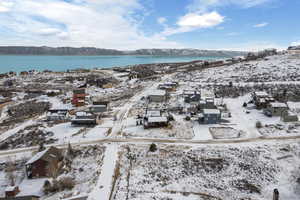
(133, 24)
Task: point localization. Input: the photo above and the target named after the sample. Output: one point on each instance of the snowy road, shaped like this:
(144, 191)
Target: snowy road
(156, 140)
(104, 185)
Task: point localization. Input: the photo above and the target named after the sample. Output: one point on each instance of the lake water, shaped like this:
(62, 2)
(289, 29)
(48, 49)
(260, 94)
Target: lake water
(62, 63)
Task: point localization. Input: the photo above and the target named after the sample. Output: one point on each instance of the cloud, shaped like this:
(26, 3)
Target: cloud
(207, 5)
(203, 14)
(104, 24)
(261, 25)
(161, 20)
(48, 31)
(254, 46)
(5, 6)
(194, 21)
(296, 43)
(201, 21)
(233, 34)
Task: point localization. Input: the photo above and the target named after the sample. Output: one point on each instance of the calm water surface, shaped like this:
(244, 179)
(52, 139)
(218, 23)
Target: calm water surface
(62, 63)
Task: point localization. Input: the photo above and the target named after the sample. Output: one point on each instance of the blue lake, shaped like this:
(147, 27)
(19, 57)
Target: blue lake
(62, 63)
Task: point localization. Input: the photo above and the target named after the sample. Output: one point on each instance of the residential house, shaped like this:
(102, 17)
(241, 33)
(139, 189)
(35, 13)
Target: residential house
(84, 118)
(168, 86)
(57, 114)
(53, 92)
(289, 116)
(276, 109)
(155, 119)
(99, 107)
(9, 83)
(41, 164)
(33, 93)
(207, 103)
(24, 73)
(191, 96)
(157, 96)
(262, 99)
(210, 116)
(79, 97)
(294, 50)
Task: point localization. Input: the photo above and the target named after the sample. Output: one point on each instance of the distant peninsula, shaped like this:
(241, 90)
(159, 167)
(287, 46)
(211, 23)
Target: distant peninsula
(92, 51)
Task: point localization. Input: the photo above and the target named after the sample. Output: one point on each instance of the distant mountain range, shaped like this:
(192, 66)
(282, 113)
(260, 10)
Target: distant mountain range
(91, 51)
(294, 47)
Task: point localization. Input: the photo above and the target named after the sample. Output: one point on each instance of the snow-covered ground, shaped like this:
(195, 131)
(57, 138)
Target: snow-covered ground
(175, 172)
(209, 172)
(274, 68)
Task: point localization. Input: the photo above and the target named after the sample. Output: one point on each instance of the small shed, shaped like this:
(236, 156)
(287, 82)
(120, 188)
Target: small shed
(39, 165)
(11, 191)
(157, 95)
(289, 116)
(191, 96)
(276, 108)
(210, 116)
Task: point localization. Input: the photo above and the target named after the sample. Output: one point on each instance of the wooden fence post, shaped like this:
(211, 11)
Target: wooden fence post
(275, 194)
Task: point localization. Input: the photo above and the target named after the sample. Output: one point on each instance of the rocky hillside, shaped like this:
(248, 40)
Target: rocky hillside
(22, 50)
(188, 52)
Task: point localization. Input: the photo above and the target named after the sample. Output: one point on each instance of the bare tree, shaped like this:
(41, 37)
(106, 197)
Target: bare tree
(70, 152)
(54, 169)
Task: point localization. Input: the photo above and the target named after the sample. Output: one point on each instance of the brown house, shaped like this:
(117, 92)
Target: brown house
(41, 163)
(79, 97)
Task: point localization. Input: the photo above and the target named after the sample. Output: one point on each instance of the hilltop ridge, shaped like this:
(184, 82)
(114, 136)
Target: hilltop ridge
(92, 51)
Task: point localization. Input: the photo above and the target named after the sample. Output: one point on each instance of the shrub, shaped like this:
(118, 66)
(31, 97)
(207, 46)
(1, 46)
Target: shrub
(258, 124)
(50, 187)
(63, 183)
(153, 147)
(66, 182)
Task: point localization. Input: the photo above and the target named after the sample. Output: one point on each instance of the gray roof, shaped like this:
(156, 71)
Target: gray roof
(211, 111)
(157, 119)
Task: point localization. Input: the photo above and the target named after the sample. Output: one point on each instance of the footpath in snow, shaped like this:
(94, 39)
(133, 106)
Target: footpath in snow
(103, 188)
